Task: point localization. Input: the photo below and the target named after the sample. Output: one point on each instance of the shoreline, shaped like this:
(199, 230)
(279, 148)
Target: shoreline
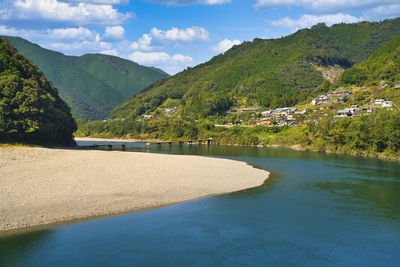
(296, 147)
(43, 187)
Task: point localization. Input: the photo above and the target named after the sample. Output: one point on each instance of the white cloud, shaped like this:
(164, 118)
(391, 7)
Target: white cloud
(114, 33)
(4, 30)
(160, 37)
(74, 13)
(307, 21)
(67, 40)
(79, 47)
(186, 35)
(389, 11)
(324, 6)
(144, 43)
(189, 2)
(225, 45)
(111, 52)
(59, 34)
(159, 57)
(79, 33)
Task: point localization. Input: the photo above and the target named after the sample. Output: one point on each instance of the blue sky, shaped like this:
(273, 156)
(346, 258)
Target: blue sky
(173, 34)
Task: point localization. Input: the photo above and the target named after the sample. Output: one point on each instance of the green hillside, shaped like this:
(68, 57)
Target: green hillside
(30, 108)
(92, 84)
(372, 128)
(383, 65)
(271, 73)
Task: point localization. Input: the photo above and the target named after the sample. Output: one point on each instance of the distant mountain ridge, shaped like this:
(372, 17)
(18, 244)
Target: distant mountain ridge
(92, 84)
(270, 73)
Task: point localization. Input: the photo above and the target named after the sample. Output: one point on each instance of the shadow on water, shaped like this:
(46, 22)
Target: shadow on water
(22, 247)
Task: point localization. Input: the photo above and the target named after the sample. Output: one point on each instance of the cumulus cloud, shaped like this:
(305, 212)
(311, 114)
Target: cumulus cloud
(114, 33)
(79, 33)
(159, 37)
(87, 46)
(159, 57)
(307, 21)
(189, 2)
(324, 6)
(186, 35)
(225, 45)
(389, 11)
(68, 40)
(61, 34)
(144, 43)
(73, 13)
(111, 52)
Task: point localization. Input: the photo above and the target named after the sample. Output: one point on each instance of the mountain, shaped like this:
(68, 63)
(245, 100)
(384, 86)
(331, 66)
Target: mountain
(271, 73)
(30, 108)
(383, 65)
(92, 84)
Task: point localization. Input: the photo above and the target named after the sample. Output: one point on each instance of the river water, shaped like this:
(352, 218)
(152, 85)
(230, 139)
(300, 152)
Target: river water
(315, 209)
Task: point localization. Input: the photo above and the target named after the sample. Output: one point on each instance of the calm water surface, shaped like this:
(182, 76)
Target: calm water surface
(314, 210)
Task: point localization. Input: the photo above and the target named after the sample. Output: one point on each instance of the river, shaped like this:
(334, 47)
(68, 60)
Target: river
(315, 209)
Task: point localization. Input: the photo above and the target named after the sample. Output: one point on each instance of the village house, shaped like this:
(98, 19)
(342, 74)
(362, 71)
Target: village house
(266, 113)
(147, 116)
(368, 109)
(379, 101)
(387, 104)
(346, 112)
(284, 111)
(322, 99)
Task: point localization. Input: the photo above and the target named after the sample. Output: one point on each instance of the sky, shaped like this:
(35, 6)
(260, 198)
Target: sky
(173, 34)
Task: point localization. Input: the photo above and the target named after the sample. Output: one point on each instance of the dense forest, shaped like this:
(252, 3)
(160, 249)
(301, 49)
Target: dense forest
(267, 73)
(383, 65)
(92, 84)
(30, 109)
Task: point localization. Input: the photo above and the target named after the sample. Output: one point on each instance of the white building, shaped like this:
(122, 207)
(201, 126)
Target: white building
(387, 104)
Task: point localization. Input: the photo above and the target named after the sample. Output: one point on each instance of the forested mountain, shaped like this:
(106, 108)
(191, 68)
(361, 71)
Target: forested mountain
(383, 65)
(30, 108)
(91, 84)
(271, 73)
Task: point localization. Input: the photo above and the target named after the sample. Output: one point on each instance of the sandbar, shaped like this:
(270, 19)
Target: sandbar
(40, 186)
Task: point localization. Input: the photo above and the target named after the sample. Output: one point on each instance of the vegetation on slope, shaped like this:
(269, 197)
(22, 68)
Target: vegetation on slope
(92, 84)
(269, 73)
(30, 109)
(375, 133)
(383, 65)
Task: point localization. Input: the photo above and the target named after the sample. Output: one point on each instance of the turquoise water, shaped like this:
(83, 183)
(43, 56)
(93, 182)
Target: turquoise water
(315, 210)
